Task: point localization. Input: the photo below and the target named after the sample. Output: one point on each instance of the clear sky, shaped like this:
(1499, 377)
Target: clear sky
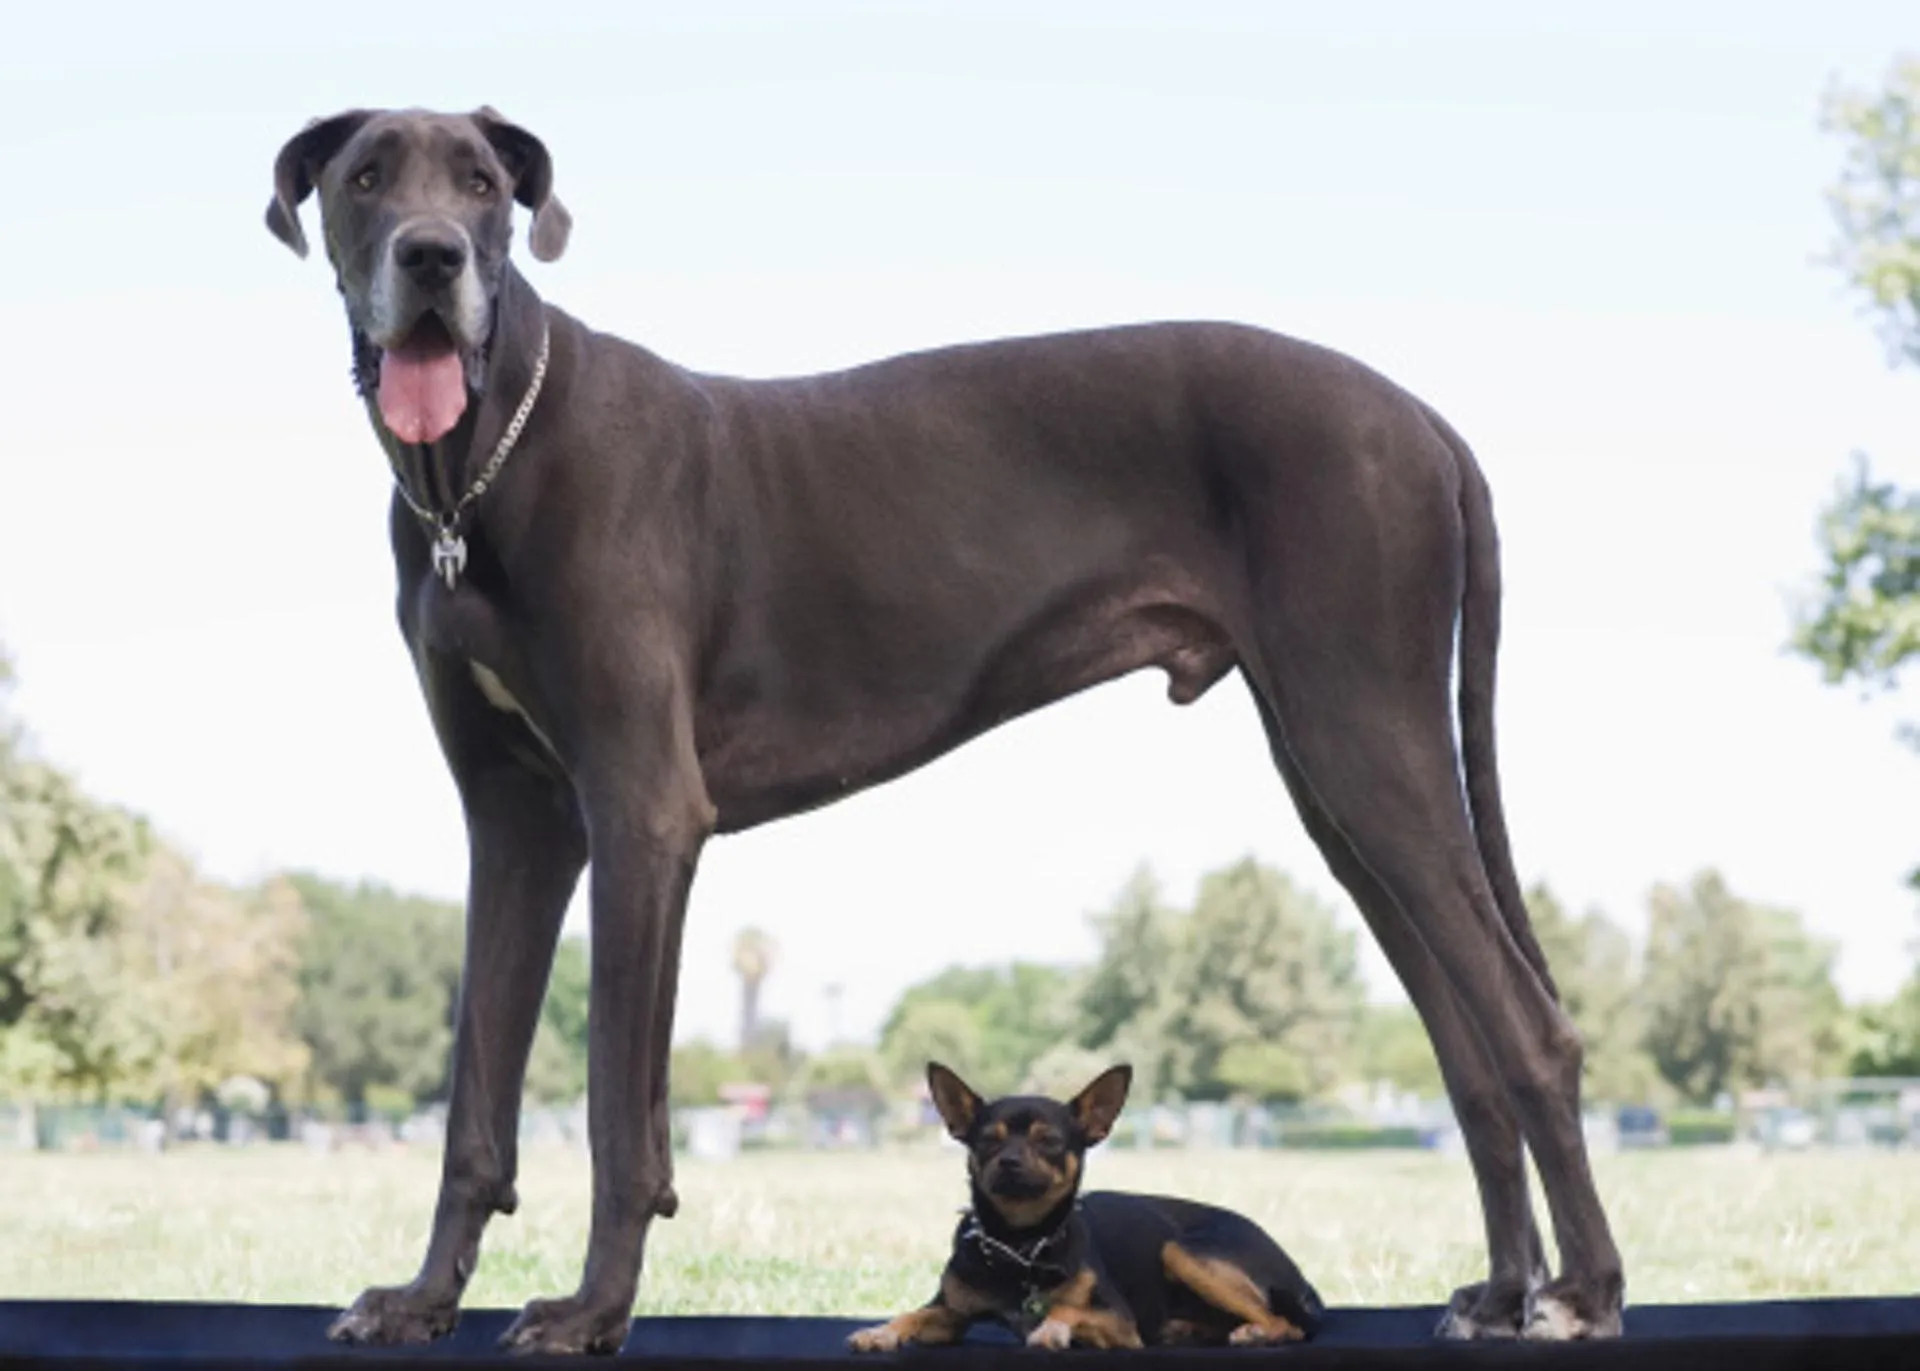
(1588, 234)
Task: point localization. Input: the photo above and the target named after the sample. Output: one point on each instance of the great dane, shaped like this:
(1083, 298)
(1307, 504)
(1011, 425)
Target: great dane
(647, 605)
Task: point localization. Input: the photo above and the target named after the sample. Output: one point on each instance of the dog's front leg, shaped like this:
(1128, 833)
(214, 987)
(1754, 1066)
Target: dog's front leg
(526, 847)
(647, 819)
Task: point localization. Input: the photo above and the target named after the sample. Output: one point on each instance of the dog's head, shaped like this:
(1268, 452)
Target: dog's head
(416, 210)
(1025, 1152)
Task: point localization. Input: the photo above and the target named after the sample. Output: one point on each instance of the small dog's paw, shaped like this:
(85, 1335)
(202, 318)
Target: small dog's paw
(1053, 1335)
(1264, 1334)
(882, 1337)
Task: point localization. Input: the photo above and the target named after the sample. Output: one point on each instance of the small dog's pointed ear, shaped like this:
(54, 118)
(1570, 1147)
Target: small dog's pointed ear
(955, 1100)
(296, 167)
(531, 167)
(1096, 1107)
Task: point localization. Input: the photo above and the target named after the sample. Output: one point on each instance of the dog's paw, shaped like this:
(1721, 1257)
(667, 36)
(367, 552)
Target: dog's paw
(1264, 1334)
(1567, 1311)
(568, 1327)
(1052, 1334)
(396, 1314)
(1484, 1311)
(882, 1337)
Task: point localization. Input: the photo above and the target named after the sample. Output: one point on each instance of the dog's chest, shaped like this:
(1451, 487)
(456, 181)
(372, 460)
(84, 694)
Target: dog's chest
(463, 626)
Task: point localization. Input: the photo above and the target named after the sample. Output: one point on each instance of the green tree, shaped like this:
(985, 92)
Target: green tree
(1125, 1004)
(557, 1069)
(697, 1071)
(1392, 1045)
(216, 971)
(1889, 1036)
(1264, 965)
(1138, 935)
(74, 1020)
(378, 978)
(1063, 1069)
(1736, 995)
(1862, 624)
(1876, 203)
(123, 972)
(1019, 1010)
(846, 1068)
(931, 1031)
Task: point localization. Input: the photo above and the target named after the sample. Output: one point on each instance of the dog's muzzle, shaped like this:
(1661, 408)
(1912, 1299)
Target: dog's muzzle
(428, 321)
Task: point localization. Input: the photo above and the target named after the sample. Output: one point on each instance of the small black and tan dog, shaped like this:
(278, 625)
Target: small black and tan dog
(1103, 1269)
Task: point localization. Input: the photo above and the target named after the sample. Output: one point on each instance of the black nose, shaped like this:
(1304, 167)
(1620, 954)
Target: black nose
(431, 257)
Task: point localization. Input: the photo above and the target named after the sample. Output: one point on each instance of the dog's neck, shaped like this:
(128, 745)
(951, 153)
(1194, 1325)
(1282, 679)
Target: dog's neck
(1022, 1238)
(437, 474)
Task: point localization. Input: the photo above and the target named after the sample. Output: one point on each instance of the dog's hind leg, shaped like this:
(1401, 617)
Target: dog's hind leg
(1516, 1262)
(1356, 582)
(526, 850)
(1226, 1287)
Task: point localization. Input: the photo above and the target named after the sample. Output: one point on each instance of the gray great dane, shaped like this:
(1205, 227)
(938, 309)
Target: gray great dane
(648, 605)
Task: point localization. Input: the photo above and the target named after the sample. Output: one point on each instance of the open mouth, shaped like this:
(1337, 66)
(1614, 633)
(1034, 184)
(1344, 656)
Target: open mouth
(423, 383)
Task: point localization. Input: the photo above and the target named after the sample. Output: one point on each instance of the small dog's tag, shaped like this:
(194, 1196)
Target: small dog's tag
(1035, 1307)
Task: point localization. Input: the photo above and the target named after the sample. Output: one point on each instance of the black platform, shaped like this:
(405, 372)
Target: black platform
(1831, 1335)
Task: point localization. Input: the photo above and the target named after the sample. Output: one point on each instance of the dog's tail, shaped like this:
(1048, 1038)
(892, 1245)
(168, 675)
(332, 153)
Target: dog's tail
(1479, 646)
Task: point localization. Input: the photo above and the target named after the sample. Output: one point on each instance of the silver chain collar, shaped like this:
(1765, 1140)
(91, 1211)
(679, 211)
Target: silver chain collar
(1028, 1259)
(449, 547)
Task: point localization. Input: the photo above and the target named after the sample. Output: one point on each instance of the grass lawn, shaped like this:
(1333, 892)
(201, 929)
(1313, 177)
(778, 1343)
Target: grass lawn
(865, 1233)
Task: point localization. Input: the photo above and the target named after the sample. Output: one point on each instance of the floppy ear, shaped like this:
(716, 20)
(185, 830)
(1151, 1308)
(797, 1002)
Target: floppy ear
(296, 166)
(955, 1100)
(531, 167)
(1096, 1107)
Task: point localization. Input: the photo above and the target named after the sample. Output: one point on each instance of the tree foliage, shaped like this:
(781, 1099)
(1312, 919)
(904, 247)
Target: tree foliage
(1865, 624)
(1876, 202)
(1888, 1035)
(1265, 992)
(379, 980)
(1737, 995)
(1391, 1045)
(1017, 1010)
(1863, 621)
(124, 973)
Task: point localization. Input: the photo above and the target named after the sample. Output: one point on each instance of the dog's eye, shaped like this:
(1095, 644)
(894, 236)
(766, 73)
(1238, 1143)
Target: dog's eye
(481, 184)
(367, 178)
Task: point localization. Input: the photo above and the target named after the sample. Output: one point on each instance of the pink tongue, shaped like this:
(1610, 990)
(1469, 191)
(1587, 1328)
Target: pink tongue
(423, 391)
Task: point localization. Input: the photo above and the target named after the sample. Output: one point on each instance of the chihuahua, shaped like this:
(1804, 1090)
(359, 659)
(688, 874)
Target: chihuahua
(1103, 1269)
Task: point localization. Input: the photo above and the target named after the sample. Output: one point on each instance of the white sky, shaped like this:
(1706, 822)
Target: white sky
(1586, 233)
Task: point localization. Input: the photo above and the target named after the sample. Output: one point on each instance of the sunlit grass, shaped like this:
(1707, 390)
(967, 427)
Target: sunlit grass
(864, 1233)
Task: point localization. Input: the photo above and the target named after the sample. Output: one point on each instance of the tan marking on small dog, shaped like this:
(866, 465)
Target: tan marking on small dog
(1232, 1291)
(1072, 1318)
(942, 1321)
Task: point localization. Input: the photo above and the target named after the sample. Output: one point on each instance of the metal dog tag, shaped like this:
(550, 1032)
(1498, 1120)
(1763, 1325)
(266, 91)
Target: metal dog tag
(449, 555)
